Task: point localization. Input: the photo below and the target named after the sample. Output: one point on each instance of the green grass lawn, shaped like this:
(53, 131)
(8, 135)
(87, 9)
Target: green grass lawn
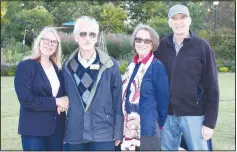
(224, 136)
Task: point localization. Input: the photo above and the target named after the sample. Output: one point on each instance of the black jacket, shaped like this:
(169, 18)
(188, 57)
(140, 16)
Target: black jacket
(193, 78)
(38, 111)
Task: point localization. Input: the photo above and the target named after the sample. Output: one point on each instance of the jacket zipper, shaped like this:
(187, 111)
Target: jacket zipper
(173, 77)
(75, 87)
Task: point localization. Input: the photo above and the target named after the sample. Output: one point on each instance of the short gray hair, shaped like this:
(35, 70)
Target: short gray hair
(154, 35)
(85, 18)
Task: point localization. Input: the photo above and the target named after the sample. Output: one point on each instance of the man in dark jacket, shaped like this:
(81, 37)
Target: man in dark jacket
(193, 80)
(93, 85)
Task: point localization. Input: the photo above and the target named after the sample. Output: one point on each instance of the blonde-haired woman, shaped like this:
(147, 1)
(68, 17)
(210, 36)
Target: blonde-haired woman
(40, 91)
(145, 97)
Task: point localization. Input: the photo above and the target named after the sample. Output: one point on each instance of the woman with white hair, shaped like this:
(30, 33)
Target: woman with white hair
(40, 91)
(145, 97)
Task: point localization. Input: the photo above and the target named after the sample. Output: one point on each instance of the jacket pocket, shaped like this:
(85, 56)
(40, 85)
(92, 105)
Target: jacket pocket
(108, 114)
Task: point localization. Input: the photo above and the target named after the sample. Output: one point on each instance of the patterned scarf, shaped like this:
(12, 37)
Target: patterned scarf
(130, 109)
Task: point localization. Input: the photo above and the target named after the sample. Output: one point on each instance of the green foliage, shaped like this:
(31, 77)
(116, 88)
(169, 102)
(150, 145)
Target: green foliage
(232, 69)
(68, 44)
(123, 67)
(223, 43)
(113, 48)
(198, 12)
(8, 69)
(68, 47)
(112, 18)
(230, 64)
(118, 45)
(223, 69)
(219, 63)
(3, 9)
(69, 11)
(14, 53)
(145, 12)
(36, 19)
(12, 9)
(161, 26)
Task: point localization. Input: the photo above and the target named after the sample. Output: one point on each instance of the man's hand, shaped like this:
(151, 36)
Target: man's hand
(207, 132)
(117, 142)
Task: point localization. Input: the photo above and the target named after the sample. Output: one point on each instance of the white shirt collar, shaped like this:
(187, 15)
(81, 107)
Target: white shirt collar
(84, 62)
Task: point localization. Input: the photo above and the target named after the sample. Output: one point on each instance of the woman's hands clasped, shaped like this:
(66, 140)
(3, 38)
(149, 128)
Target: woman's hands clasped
(62, 104)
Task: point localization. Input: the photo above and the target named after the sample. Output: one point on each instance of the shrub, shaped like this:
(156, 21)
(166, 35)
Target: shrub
(68, 43)
(14, 53)
(228, 63)
(219, 63)
(232, 69)
(68, 47)
(113, 48)
(8, 69)
(223, 69)
(223, 43)
(118, 45)
(123, 67)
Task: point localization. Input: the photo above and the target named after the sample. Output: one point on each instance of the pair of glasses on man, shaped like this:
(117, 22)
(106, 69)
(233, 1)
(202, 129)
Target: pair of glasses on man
(48, 41)
(145, 41)
(84, 34)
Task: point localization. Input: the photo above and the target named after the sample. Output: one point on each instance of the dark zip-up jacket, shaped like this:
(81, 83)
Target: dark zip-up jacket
(102, 119)
(193, 78)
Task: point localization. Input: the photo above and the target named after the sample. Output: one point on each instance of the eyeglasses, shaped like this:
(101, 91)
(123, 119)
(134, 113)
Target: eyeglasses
(47, 41)
(84, 34)
(146, 41)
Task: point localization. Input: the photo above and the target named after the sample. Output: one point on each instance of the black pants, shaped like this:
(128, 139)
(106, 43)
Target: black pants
(118, 148)
(92, 146)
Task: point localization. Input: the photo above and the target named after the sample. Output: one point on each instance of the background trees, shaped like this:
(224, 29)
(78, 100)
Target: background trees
(19, 18)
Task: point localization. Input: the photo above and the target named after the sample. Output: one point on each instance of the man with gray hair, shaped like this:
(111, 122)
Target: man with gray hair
(94, 87)
(193, 80)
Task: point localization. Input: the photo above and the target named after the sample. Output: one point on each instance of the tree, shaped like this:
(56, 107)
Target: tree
(112, 18)
(225, 14)
(161, 26)
(69, 11)
(144, 12)
(35, 19)
(3, 9)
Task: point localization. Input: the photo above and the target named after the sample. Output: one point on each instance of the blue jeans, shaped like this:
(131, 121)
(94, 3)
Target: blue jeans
(189, 126)
(38, 143)
(92, 146)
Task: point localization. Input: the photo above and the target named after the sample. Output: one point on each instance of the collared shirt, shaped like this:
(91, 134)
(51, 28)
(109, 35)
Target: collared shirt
(84, 62)
(144, 61)
(178, 46)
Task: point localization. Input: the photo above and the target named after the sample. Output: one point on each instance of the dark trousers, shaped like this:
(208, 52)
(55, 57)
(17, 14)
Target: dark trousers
(107, 145)
(118, 148)
(53, 142)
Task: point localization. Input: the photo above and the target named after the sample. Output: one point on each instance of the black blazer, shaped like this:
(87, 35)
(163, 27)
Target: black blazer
(38, 110)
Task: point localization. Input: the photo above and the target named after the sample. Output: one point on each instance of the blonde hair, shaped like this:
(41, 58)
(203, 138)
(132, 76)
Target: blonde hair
(56, 57)
(154, 36)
